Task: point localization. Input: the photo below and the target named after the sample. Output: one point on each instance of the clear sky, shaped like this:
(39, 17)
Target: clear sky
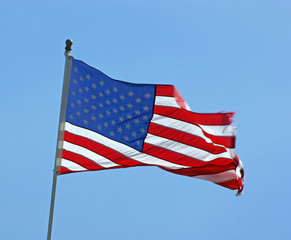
(221, 55)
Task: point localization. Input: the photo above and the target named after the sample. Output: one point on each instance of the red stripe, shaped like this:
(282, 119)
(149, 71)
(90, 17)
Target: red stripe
(101, 150)
(170, 91)
(64, 170)
(232, 184)
(228, 142)
(165, 90)
(81, 160)
(183, 115)
(192, 117)
(181, 159)
(205, 170)
(185, 138)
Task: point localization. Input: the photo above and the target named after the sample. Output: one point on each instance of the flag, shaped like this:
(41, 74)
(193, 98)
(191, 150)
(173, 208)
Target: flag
(115, 124)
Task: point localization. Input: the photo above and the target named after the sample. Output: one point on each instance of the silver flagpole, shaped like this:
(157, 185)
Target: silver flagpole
(66, 84)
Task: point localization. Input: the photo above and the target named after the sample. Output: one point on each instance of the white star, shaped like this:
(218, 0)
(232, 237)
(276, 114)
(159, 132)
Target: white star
(147, 95)
(101, 83)
(122, 97)
(145, 117)
(87, 89)
(79, 102)
(128, 125)
(82, 79)
(137, 112)
(88, 76)
(113, 122)
(128, 116)
(75, 69)
(101, 105)
(86, 100)
(145, 108)
(119, 129)
(138, 142)
(93, 107)
(100, 115)
(138, 100)
(130, 93)
(142, 130)
(129, 105)
(72, 105)
(136, 121)
(112, 133)
(93, 96)
(101, 94)
(75, 81)
(108, 102)
(121, 119)
(126, 138)
(122, 108)
(115, 111)
(107, 112)
(93, 118)
(115, 89)
(133, 134)
(114, 100)
(74, 93)
(99, 127)
(107, 91)
(105, 124)
(86, 110)
(78, 113)
(85, 122)
(94, 85)
(71, 116)
(80, 90)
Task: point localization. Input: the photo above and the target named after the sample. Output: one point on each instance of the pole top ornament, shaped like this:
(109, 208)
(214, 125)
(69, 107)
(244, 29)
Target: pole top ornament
(69, 44)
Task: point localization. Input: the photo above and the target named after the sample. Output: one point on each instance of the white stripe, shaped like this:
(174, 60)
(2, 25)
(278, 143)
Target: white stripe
(219, 130)
(225, 131)
(100, 160)
(184, 149)
(187, 106)
(179, 125)
(219, 177)
(166, 101)
(121, 148)
(72, 165)
(238, 169)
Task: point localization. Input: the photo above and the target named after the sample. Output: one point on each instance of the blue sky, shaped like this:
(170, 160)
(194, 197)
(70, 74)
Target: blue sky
(220, 55)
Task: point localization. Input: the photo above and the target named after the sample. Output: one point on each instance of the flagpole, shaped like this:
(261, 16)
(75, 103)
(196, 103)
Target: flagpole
(66, 83)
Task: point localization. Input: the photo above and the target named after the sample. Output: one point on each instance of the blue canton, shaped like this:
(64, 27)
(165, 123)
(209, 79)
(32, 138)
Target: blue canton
(118, 110)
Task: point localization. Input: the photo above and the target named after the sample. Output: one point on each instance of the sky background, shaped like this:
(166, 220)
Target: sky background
(221, 56)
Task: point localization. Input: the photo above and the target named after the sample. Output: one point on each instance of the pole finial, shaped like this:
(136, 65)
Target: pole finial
(69, 44)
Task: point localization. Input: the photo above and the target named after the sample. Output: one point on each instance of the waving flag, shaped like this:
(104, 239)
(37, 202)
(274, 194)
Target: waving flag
(115, 124)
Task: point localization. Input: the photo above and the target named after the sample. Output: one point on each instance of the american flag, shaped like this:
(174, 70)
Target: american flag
(116, 124)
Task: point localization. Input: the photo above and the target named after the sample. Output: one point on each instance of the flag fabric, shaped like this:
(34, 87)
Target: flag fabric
(115, 124)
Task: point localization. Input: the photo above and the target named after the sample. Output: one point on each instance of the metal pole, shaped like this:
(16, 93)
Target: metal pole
(66, 83)
(49, 233)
